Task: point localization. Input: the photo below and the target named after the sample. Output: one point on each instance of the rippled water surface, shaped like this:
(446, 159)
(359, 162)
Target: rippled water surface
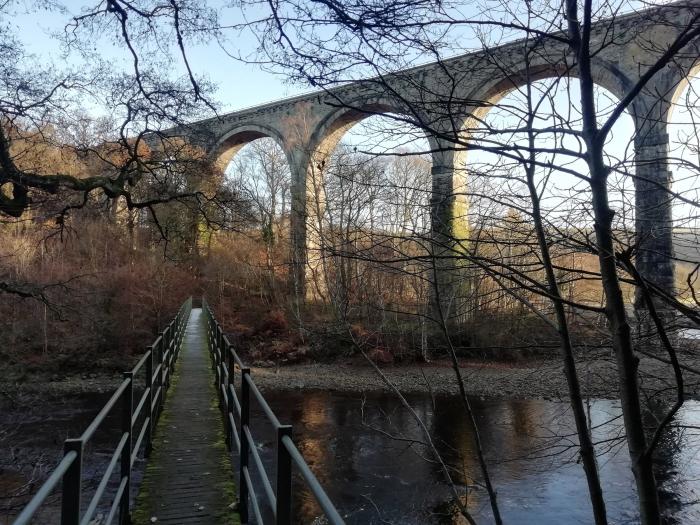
(368, 454)
(31, 444)
(365, 451)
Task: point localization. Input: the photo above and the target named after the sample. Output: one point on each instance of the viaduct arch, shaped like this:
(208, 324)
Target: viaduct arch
(446, 99)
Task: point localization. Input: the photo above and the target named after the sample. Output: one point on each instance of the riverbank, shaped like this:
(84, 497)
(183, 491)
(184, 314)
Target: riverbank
(528, 379)
(542, 379)
(46, 387)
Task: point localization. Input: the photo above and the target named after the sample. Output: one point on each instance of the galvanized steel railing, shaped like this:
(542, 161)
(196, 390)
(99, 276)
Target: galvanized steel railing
(158, 363)
(236, 413)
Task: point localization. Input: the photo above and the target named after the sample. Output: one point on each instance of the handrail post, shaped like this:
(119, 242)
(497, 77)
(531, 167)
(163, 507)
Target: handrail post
(222, 353)
(245, 421)
(212, 340)
(164, 369)
(161, 374)
(284, 478)
(221, 343)
(172, 338)
(212, 332)
(180, 336)
(217, 352)
(171, 355)
(151, 411)
(231, 364)
(176, 335)
(227, 419)
(72, 484)
(127, 414)
(229, 396)
(222, 356)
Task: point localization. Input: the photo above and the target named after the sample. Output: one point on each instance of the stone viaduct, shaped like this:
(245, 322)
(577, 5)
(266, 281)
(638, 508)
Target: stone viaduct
(448, 98)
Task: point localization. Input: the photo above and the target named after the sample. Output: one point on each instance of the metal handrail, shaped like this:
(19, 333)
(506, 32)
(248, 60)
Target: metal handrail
(159, 359)
(46, 489)
(236, 408)
(315, 487)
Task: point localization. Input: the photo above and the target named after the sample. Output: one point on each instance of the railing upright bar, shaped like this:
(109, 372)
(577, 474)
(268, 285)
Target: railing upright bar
(245, 421)
(164, 360)
(217, 355)
(167, 355)
(227, 420)
(217, 368)
(213, 351)
(229, 394)
(127, 411)
(163, 343)
(212, 342)
(158, 391)
(72, 484)
(283, 511)
(219, 348)
(149, 386)
(177, 338)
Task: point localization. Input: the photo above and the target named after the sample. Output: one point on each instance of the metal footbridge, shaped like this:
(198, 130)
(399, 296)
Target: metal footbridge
(185, 408)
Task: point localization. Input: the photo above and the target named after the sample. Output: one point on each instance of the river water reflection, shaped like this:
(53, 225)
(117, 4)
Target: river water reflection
(362, 449)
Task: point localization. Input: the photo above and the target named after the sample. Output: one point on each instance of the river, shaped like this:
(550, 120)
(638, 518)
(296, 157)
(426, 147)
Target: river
(361, 448)
(365, 451)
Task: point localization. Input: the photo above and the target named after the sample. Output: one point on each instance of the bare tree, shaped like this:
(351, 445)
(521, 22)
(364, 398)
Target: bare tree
(389, 37)
(262, 176)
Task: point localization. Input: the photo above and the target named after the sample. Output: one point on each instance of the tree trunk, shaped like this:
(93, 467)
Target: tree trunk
(586, 448)
(627, 362)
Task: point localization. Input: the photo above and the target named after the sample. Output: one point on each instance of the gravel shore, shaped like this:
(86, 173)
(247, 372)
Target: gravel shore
(532, 380)
(541, 379)
(56, 388)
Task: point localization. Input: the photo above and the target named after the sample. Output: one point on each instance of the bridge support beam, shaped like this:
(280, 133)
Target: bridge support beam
(308, 202)
(653, 220)
(298, 234)
(449, 232)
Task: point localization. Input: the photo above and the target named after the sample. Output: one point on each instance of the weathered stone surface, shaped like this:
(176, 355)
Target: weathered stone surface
(445, 98)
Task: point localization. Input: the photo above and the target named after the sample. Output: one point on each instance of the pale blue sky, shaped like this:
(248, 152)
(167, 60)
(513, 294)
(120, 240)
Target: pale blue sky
(239, 84)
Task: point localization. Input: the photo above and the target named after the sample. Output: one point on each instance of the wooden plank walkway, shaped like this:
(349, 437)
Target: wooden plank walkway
(188, 477)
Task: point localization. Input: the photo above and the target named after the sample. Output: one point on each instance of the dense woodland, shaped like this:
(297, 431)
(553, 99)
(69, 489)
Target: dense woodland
(96, 284)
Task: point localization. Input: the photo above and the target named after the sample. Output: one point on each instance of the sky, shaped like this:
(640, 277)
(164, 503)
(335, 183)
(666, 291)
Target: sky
(240, 85)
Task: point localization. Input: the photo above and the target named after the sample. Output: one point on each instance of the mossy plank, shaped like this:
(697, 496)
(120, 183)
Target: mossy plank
(188, 478)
